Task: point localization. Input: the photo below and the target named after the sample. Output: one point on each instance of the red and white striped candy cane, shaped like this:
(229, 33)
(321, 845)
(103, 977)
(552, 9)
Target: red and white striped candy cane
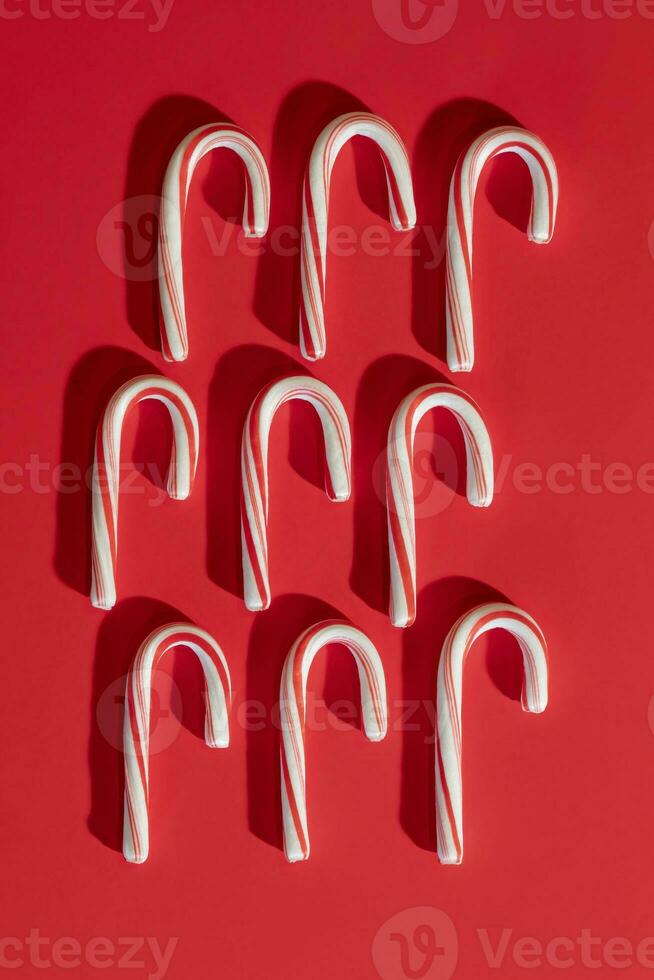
(315, 206)
(174, 339)
(545, 192)
(449, 792)
(254, 470)
(399, 482)
(136, 728)
(292, 697)
(106, 470)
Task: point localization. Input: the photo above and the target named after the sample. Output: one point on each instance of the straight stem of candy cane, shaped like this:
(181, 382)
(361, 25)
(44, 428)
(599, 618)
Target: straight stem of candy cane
(292, 697)
(449, 791)
(174, 335)
(315, 207)
(106, 470)
(400, 507)
(136, 729)
(545, 192)
(254, 470)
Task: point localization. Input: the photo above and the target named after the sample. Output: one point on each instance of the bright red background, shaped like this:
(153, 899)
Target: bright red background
(558, 807)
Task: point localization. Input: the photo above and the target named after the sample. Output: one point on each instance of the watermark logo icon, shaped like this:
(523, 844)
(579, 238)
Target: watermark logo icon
(650, 239)
(435, 475)
(415, 21)
(416, 944)
(127, 238)
(165, 712)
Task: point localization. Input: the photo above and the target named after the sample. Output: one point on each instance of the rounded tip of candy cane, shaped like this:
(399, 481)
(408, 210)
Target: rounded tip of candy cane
(406, 225)
(315, 353)
(296, 857)
(219, 742)
(450, 858)
(540, 237)
(340, 496)
(103, 603)
(534, 707)
(176, 356)
(175, 494)
(256, 605)
(401, 622)
(460, 366)
(133, 858)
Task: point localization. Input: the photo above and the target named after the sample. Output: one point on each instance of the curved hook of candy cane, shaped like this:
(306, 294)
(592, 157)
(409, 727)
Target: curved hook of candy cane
(174, 338)
(449, 793)
(400, 508)
(292, 698)
(136, 727)
(106, 470)
(315, 206)
(545, 192)
(254, 470)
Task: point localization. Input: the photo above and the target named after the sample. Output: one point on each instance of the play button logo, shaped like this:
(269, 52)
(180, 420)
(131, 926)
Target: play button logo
(415, 21)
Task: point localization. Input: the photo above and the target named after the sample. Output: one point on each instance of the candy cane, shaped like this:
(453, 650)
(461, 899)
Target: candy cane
(254, 471)
(315, 205)
(136, 728)
(174, 339)
(106, 470)
(399, 482)
(292, 697)
(545, 192)
(449, 793)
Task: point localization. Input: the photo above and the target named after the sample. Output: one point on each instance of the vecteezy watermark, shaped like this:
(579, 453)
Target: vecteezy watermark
(415, 21)
(153, 14)
(252, 715)
(650, 714)
(566, 9)
(436, 475)
(505, 949)
(424, 943)
(416, 944)
(127, 238)
(165, 712)
(425, 21)
(35, 475)
(145, 953)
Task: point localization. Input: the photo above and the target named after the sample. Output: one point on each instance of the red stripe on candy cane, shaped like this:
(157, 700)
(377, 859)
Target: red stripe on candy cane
(256, 213)
(254, 480)
(292, 698)
(463, 187)
(457, 645)
(106, 470)
(136, 729)
(399, 482)
(315, 197)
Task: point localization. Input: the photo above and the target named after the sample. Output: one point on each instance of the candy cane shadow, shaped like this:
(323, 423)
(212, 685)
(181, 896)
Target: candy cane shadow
(90, 385)
(439, 606)
(446, 133)
(156, 136)
(120, 635)
(303, 114)
(239, 376)
(382, 387)
(273, 633)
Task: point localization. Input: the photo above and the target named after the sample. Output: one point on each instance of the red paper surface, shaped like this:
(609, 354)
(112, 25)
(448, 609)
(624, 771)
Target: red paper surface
(557, 808)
